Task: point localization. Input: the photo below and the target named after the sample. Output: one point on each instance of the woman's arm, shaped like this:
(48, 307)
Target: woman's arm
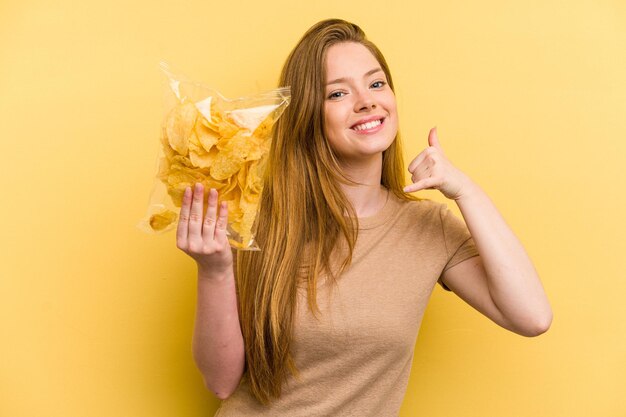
(218, 347)
(503, 271)
(502, 282)
(217, 341)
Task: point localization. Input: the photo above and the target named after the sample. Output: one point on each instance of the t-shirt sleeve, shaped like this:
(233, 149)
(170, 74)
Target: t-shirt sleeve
(458, 241)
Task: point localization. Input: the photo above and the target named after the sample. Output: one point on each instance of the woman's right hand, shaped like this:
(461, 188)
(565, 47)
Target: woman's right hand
(204, 239)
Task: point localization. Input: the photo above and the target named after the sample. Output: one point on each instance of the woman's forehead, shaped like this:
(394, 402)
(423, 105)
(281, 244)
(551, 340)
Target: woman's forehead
(349, 60)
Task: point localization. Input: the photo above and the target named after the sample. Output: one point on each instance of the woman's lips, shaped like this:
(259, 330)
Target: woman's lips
(370, 130)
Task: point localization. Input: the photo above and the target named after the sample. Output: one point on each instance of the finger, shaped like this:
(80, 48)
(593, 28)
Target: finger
(418, 160)
(420, 173)
(183, 219)
(195, 216)
(433, 139)
(421, 185)
(222, 221)
(208, 230)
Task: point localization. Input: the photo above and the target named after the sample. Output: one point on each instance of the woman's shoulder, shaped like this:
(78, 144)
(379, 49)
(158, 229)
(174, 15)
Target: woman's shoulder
(423, 214)
(419, 206)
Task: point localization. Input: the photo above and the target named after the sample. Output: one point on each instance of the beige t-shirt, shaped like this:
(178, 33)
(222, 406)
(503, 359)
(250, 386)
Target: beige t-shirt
(356, 360)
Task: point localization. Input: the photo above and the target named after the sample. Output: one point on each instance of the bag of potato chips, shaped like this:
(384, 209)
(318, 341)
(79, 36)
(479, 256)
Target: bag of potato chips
(218, 142)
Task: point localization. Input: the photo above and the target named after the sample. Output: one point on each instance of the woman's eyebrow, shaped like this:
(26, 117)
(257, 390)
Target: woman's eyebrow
(342, 80)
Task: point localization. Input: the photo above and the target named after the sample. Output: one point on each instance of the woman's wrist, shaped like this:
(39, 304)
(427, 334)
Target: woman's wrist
(214, 274)
(468, 189)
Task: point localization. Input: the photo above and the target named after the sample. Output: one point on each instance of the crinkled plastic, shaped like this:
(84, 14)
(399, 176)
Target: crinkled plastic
(221, 143)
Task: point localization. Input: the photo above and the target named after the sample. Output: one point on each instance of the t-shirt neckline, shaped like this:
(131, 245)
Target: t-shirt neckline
(382, 216)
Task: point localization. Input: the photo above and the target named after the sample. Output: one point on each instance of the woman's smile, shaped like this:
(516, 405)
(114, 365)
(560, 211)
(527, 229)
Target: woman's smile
(368, 127)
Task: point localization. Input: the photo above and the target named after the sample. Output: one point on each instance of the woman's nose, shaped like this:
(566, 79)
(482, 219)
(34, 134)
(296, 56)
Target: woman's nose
(365, 101)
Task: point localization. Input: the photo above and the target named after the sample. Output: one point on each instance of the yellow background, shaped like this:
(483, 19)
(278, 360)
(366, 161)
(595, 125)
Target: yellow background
(529, 99)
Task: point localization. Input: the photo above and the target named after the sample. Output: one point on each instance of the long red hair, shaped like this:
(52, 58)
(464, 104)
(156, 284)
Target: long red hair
(302, 212)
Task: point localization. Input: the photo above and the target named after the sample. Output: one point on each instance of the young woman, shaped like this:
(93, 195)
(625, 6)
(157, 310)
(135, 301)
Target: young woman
(323, 320)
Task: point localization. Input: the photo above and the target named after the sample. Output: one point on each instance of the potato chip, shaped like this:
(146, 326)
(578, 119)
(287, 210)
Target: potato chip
(230, 191)
(234, 211)
(179, 125)
(194, 142)
(167, 149)
(244, 227)
(206, 136)
(212, 124)
(227, 129)
(254, 181)
(178, 174)
(256, 148)
(242, 176)
(264, 130)
(202, 158)
(225, 166)
(181, 161)
(164, 169)
(209, 183)
(160, 221)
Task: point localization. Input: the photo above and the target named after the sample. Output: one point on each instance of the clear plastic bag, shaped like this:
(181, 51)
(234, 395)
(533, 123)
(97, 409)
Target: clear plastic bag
(221, 143)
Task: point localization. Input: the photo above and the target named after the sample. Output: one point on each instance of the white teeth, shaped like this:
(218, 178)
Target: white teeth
(367, 125)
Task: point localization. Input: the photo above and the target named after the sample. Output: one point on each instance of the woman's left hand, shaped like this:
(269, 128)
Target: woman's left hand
(432, 170)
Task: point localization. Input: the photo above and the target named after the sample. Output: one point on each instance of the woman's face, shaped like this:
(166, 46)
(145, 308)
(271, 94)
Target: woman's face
(359, 106)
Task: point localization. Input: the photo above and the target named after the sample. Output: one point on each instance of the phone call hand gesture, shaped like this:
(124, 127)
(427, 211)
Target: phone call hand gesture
(432, 170)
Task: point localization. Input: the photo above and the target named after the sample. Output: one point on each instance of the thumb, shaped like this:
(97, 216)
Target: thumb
(433, 139)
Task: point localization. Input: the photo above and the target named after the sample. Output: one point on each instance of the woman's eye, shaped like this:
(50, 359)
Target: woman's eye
(336, 94)
(379, 84)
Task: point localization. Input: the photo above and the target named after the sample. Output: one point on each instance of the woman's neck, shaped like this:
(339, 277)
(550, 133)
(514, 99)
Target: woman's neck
(367, 200)
(369, 196)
